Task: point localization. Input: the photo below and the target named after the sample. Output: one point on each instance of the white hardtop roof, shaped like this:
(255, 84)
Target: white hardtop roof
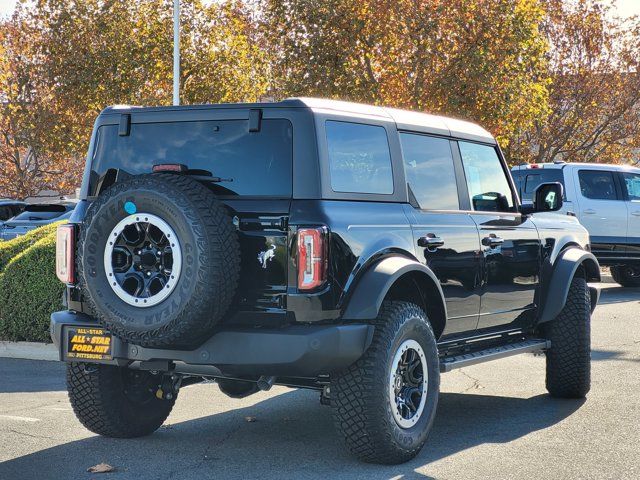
(591, 166)
(405, 119)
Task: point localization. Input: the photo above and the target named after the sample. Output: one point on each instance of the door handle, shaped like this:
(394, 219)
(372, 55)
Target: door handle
(588, 211)
(636, 213)
(430, 240)
(492, 240)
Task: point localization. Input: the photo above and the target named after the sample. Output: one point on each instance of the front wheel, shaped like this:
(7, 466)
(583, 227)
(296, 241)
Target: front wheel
(385, 403)
(116, 401)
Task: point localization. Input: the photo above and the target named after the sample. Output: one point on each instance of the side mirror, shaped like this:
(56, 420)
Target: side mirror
(547, 198)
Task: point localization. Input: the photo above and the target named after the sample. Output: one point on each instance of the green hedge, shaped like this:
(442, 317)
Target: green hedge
(11, 248)
(29, 288)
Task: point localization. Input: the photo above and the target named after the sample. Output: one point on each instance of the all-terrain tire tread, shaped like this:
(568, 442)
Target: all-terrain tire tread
(367, 431)
(203, 310)
(569, 358)
(98, 401)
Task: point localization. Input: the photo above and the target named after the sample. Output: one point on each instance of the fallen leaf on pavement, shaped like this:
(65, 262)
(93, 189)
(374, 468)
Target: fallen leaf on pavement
(101, 468)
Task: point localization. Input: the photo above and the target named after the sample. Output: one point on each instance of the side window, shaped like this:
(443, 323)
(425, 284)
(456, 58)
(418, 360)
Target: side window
(597, 184)
(428, 164)
(359, 158)
(487, 182)
(632, 183)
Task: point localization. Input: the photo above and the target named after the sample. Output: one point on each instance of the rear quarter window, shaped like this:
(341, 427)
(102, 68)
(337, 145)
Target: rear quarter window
(248, 163)
(359, 158)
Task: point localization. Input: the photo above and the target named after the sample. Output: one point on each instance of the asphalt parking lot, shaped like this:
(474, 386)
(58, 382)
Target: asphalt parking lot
(494, 421)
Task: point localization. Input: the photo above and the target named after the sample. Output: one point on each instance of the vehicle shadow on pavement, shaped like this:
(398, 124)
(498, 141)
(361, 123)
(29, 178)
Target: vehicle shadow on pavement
(43, 376)
(611, 355)
(291, 437)
(612, 295)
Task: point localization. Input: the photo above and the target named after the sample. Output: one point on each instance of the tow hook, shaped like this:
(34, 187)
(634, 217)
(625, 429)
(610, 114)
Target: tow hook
(169, 387)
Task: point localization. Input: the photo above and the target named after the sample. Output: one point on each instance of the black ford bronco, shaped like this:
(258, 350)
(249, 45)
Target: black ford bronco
(356, 250)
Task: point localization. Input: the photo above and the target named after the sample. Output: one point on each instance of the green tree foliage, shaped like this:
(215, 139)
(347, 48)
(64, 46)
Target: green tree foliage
(30, 292)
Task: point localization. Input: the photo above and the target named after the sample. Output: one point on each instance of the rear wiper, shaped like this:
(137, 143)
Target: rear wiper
(206, 175)
(197, 173)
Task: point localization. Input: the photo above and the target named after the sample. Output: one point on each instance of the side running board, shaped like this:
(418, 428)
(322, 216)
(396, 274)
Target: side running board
(465, 359)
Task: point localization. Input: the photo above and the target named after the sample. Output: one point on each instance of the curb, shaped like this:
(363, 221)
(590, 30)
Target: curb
(607, 279)
(29, 350)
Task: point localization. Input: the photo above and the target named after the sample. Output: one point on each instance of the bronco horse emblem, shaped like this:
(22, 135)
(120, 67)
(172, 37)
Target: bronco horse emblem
(267, 256)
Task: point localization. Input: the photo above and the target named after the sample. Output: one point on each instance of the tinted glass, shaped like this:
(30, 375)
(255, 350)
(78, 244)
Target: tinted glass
(632, 183)
(428, 165)
(528, 182)
(598, 185)
(359, 158)
(5, 213)
(487, 182)
(39, 215)
(256, 163)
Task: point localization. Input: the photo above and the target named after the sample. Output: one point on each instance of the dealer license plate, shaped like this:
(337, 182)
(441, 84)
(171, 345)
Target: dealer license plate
(88, 344)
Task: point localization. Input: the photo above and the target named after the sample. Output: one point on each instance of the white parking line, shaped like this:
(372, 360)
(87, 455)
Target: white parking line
(19, 419)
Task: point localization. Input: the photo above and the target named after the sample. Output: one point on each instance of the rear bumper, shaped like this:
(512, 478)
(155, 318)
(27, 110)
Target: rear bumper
(298, 350)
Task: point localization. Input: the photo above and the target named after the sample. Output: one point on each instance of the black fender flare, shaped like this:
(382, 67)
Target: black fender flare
(562, 273)
(374, 284)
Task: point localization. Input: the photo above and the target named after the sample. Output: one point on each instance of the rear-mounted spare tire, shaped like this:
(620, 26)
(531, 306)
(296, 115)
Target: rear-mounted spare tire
(159, 260)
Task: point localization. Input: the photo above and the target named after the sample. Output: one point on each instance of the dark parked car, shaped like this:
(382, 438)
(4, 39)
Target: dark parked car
(355, 250)
(34, 216)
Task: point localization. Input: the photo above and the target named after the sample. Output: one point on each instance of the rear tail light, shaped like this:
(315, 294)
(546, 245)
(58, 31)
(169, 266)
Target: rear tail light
(65, 253)
(312, 258)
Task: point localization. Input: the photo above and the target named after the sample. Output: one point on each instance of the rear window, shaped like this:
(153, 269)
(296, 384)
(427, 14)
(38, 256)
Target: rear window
(528, 180)
(359, 158)
(247, 163)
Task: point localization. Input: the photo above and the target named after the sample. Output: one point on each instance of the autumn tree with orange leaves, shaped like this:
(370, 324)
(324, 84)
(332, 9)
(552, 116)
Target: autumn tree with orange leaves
(594, 93)
(64, 61)
(469, 58)
(551, 79)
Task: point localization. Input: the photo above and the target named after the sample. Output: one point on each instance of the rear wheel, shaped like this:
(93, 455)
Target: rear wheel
(115, 401)
(385, 403)
(569, 358)
(626, 275)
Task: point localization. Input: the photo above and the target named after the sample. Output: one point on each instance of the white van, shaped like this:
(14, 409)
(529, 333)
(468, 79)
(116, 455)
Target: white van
(606, 200)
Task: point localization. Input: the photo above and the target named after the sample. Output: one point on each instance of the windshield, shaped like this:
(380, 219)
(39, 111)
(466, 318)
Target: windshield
(238, 162)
